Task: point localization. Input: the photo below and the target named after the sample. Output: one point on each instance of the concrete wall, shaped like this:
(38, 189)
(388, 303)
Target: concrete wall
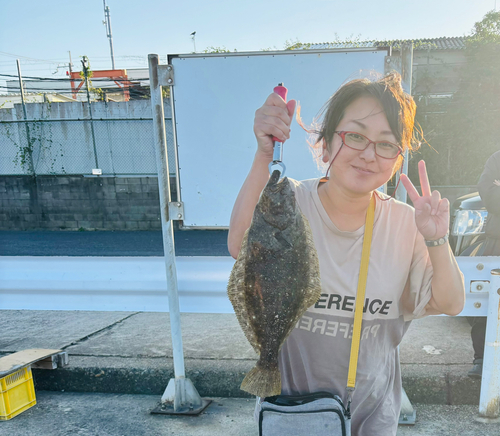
(77, 202)
(436, 72)
(118, 141)
(96, 203)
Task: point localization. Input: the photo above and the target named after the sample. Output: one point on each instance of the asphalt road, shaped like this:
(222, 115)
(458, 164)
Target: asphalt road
(111, 243)
(84, 414)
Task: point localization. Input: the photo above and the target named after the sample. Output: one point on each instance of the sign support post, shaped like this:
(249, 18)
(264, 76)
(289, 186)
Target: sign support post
(180, 396)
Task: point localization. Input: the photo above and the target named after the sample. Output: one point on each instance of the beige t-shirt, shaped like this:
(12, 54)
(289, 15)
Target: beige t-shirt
(315, 357)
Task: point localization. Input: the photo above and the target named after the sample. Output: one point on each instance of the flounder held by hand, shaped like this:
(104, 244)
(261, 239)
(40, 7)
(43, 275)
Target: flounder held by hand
(273, 281)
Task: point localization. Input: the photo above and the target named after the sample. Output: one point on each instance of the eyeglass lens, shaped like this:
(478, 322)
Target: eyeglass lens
(359, 142)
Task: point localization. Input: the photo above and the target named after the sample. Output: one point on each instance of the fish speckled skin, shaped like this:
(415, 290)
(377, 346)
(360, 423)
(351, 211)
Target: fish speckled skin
(273, 281)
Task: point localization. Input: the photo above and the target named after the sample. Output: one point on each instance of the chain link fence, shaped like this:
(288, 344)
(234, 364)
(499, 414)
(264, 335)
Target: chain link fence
(116, 146)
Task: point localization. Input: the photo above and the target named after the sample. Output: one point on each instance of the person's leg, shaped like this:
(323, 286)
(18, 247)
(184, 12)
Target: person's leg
(478, 333)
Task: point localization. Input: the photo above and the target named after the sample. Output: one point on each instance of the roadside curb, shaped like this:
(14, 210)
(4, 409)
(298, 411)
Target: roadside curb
(426, 384)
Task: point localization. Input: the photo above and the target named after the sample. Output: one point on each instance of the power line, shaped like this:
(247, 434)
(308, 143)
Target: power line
(67, 90)
(26, 57)
(64, 79)
(94, 58)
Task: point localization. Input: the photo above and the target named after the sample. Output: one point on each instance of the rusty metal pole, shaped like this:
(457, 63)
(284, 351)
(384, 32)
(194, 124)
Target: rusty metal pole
(28, 151)
(85, 67)
(406, 76)
(180, 396)
(404, 65)
(489, 401)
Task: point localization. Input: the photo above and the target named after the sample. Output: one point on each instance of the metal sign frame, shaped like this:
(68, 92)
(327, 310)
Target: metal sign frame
(181, 120)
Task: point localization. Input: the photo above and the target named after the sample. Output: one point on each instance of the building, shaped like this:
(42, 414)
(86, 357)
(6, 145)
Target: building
(7, 101)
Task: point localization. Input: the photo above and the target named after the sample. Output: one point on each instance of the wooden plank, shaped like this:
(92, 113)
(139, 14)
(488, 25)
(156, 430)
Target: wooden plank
(52, 362)
(48, 363)
(16, 361)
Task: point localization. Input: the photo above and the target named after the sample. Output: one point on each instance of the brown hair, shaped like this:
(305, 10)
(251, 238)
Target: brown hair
(398, 106)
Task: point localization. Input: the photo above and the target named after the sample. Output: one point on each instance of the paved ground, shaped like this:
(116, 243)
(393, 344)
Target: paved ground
(77, 414)
(106, 243)
(131, 353)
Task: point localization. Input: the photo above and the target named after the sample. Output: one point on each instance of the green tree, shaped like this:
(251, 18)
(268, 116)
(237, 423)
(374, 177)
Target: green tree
(213, 49)
(98, 92)
(295, 45)
(487, 30)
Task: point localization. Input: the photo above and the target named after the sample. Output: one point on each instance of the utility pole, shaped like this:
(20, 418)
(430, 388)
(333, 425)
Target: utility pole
(72, 82)
(27, 151)
(109, 34)
(193, 36)
(86, 75)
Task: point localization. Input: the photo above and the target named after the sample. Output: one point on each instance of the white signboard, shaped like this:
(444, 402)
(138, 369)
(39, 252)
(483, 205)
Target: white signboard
(215, 98)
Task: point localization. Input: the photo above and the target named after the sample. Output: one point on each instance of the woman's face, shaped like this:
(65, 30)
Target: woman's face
(356, 171)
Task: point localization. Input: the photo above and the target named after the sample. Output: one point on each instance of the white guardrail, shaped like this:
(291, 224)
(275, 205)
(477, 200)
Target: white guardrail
(139, 283)
(135, 284)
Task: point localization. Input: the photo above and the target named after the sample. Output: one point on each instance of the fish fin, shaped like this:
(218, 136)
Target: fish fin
(235, 292)
(262, 382)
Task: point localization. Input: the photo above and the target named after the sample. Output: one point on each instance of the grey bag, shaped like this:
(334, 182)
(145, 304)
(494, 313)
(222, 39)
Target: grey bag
(320, 413)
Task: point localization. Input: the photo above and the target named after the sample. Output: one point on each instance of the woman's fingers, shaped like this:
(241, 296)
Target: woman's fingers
(410, 189)
(278, 113)
(431, 212)
(273, 130)
(291, 108)
(273, 119)
(424, 179)
(435, 199)
(276, 106)
(275, 113)
(269, 117)
(444, 206)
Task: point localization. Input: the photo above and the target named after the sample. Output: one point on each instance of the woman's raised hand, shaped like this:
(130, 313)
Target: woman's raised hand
(272, 119)
(432, 214)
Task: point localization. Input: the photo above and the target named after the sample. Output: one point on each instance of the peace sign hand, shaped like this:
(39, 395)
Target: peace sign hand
(432, 215)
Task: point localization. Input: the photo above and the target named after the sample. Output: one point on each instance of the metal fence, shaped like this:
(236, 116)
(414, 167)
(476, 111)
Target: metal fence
(116, 146)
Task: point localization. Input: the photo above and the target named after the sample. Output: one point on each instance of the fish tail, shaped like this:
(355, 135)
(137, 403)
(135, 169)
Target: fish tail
(262, 382)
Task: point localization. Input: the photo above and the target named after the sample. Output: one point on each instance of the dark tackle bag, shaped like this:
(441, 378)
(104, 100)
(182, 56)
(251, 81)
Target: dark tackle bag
(320, 413)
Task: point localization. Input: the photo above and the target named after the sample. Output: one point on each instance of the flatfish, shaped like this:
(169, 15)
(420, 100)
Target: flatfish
(273, 281)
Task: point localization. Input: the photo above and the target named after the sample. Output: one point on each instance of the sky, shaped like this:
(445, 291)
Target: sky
(41, 33)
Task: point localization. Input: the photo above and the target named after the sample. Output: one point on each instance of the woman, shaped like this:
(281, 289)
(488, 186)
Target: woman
(406, 278)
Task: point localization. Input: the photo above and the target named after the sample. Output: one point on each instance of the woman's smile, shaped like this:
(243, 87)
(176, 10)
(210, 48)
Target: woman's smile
(362, 170)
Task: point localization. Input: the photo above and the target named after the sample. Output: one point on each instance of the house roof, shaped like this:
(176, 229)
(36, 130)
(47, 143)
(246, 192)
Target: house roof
(51, 96)
(444, 43)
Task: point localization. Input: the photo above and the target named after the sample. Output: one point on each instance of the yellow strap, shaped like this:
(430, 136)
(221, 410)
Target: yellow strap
(360, 296)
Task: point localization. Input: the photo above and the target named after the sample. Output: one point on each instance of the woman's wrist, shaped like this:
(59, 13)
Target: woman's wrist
(262, 158)
(437, 242)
